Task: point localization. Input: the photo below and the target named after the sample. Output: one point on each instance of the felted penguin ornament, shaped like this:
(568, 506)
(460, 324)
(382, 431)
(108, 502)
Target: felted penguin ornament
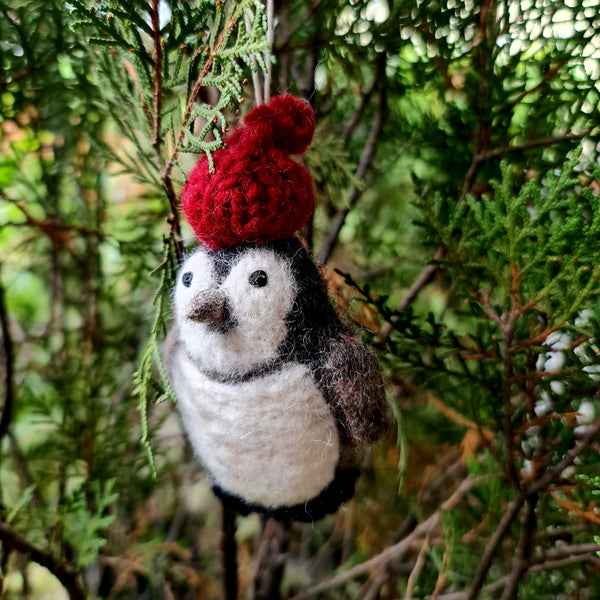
(276, 394)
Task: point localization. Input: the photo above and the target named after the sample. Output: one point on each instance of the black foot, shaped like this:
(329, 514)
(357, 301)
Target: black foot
(328, 501)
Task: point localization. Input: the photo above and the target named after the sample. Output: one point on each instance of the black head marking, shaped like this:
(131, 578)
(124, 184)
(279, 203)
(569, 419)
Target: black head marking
(312, 319)
(224, 259)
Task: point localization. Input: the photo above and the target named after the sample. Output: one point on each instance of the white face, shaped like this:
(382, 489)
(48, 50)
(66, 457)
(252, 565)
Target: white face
(237, 324)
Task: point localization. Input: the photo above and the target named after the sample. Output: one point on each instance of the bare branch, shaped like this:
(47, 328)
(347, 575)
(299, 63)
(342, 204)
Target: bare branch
(523, 554)
(359, 112)
(486, 561)
(553, 558)
(60, 569)
(270, 560)
(416, 570)
(553, 473)
(392, 553)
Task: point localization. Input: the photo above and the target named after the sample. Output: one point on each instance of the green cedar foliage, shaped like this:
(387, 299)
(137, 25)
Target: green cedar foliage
(73, 332)
(92, 90)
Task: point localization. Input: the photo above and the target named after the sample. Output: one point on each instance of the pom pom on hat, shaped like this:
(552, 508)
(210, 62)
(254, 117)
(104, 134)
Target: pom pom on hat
(258, 193)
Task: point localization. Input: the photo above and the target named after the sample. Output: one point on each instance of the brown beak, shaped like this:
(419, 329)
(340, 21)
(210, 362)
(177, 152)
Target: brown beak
(209, 306)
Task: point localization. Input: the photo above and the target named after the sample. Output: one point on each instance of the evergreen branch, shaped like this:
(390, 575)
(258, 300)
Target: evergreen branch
(195, 91)
(366, 160)
(552, 558)
(144, 373)
(553, 473)
(62, 570)
(157, 90)
(549, 140)
(425, 277)
(534, 488)
(136, 82)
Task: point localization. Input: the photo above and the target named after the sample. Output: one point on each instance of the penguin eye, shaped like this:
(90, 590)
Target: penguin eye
(258, 279)
(186, 279)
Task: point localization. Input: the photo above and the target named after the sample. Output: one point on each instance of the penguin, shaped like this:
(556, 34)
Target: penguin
(277, 395)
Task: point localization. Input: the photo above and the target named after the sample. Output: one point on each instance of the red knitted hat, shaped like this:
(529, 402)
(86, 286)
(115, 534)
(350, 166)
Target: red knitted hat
(257, 193)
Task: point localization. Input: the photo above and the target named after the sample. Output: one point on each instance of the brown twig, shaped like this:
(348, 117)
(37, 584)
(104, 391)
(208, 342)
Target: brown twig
(136, 82)
(486, 561)
(359, 112)
(394, 552)
(420, 282)
(418, 567)
(270, 561)
(523, 554)
(442, 577)
(553, 473)
(548, 140)
(63, 571)
(547, 77)
(157, 67)
(372, 589)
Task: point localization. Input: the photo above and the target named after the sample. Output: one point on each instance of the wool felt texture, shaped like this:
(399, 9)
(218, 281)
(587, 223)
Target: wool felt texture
(328, 501)
(276, 393)
(257, 193)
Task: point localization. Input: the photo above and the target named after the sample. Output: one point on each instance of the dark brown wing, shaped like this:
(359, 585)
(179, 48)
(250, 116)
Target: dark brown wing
(356, 389)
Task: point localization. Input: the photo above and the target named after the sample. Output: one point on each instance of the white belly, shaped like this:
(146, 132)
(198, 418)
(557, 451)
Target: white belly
(271, 441)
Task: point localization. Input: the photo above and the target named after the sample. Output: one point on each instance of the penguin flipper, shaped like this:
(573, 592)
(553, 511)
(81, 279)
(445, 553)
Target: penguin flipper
(351, 372)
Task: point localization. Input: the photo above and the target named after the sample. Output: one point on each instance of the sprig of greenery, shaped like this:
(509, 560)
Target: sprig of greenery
(85, 523)
(156, 76)
(144, 376)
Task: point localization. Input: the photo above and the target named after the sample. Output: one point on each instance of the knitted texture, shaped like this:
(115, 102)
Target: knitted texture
(257, 192)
